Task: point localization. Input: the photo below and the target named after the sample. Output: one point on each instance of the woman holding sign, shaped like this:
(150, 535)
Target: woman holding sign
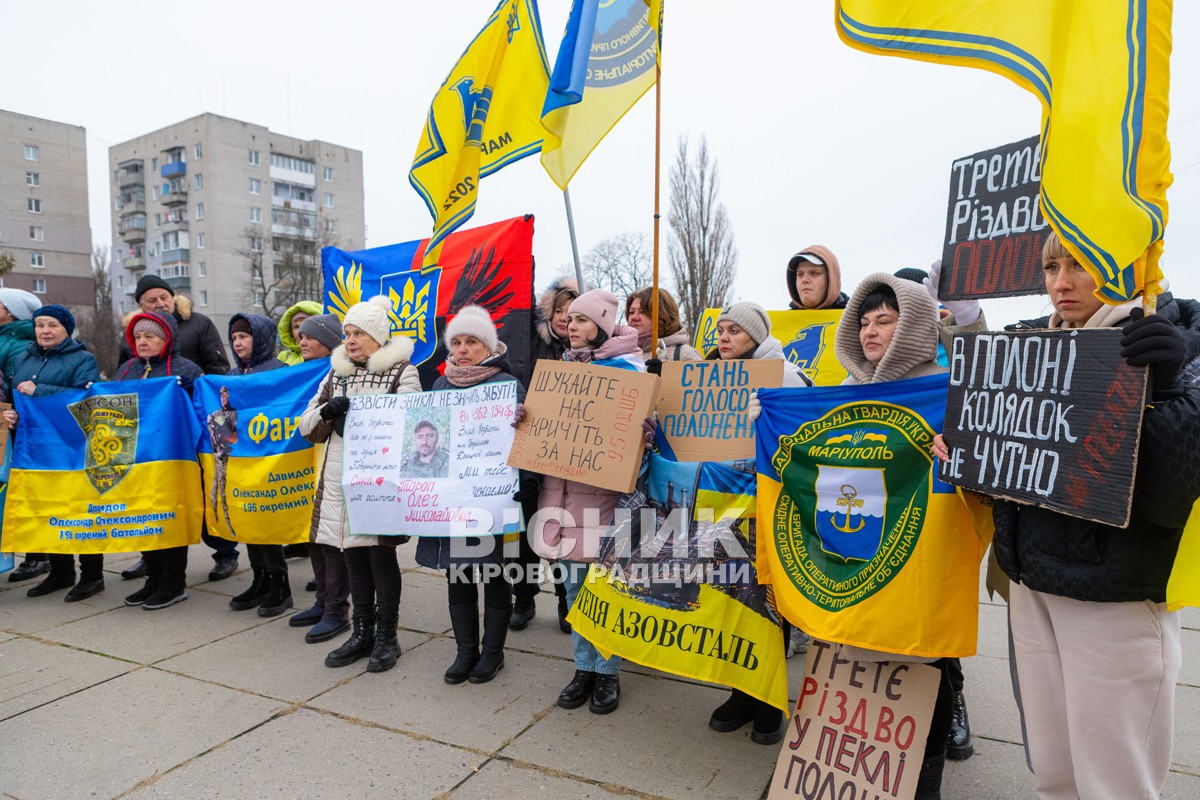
(475, 355)
(596, 339)
(369, 361)
(1095, 648)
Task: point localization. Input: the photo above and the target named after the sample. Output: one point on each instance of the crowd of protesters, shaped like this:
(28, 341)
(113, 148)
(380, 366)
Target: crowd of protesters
(1076, 588)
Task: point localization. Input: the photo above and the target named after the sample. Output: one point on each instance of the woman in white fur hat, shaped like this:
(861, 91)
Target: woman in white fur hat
(369, 361)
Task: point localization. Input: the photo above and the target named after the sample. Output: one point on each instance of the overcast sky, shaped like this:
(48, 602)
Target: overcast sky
(817, 143)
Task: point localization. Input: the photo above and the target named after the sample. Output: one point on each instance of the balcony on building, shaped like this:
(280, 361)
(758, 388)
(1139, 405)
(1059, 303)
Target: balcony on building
(176, 271)
(174, 169)
(134, 263)
(133, 228)
(175, 257)
(128, 207)
(130, 173)
(174, 222)
(174, 193)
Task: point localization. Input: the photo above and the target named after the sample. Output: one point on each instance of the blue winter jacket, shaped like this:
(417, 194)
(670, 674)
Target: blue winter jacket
(67, 365)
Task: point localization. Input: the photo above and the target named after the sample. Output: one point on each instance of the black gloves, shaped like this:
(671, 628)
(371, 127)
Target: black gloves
(1153, 341)
(336, 407)
(654, 366)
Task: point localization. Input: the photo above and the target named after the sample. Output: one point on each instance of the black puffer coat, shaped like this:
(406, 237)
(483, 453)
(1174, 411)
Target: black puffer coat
(1060, 555)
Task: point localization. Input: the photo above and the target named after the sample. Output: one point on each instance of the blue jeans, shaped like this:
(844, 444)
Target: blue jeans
(587, 658)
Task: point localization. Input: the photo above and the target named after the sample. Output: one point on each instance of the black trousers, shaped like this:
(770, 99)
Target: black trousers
(496, 591)
(374, 579)
(267, 556)
(90, 565)
(333, 580)
(943, 711)
(167, 569)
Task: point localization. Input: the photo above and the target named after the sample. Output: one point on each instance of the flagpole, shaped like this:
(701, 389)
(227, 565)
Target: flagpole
(657, 181)
(574, 243)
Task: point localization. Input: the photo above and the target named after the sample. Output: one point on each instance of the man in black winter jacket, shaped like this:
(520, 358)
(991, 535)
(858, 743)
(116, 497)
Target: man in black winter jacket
(1095, 650)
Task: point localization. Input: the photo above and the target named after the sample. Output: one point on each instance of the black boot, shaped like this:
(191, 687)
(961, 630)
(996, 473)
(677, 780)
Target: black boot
(524, 611)
(360, 643)
(464, 618)
(387, 649)
(768, 724)
(495, 632)
(733, 713)
(959, 744)
(253, 596)
(279, 599)
(929, 782)
(31, 567)
(606, 695)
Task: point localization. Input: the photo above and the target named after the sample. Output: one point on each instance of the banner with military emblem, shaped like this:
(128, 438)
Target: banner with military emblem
(260, 474)
(675, 588)
(807, 338)
(490, 266)
(867, 546)
(108, 469)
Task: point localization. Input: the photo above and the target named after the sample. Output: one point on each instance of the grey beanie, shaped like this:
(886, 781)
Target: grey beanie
(749, 317)
(20, 303)
(324, 328)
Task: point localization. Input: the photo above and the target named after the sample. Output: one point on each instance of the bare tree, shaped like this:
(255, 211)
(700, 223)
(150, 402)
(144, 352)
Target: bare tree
(99, 328)
(285, 268)
(622, 264)
(702, 254)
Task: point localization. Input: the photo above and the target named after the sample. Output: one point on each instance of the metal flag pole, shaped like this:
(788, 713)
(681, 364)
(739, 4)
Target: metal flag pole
(657, 181)
(574, 243)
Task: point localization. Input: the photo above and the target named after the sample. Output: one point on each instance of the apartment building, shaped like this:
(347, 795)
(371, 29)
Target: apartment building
(44, 209)
(231, 214)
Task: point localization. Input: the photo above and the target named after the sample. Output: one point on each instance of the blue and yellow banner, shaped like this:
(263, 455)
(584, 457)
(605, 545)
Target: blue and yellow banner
(1101, 71)
(606, 62)
(807, 338)
(867, 547)
(484, 116)
(675, 587)
(260, 474)
(108, 469)
(1183, 587)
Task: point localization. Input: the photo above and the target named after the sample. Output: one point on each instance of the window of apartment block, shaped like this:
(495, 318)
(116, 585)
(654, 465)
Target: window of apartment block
(37, 233)
(199, 241)
(256, 215)
(329, 173)
(258, 299)
(329, 226)
(33, 205)
(39, 285)
(255, 159)
(255, 186)
(120, 281)
(33, 179)
(199, 210)
(256, 244)
(37, 259)
(196, 151)
(328, 200)
(154, 164)
(199, 181)
(158, 220)
(203, 297)
(32, 152)
(154, 192)
(202, 269)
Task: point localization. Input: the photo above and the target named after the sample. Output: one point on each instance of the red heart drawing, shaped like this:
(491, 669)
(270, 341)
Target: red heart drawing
(385, 450)
(379, 481)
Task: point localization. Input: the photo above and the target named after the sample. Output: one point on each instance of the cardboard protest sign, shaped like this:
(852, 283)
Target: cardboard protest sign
(994, 227)
(702, 407)
(807, 337)
(431, 464)
(1051, 418)
(860, 724)
(584, 423)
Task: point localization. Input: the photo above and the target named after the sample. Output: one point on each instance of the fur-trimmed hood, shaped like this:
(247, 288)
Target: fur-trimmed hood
(183, 311)
(544, 310)
(913, 351)
(389, 354)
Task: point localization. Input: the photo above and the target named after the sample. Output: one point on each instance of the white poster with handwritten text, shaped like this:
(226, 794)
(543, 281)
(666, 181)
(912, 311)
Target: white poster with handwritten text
(433, 463)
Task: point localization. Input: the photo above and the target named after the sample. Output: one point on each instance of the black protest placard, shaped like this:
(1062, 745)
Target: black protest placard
(1050, 418)
(994, 227)
(858, 729)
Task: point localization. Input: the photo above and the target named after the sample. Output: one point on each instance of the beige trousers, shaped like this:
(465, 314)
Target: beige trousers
(1097, 693)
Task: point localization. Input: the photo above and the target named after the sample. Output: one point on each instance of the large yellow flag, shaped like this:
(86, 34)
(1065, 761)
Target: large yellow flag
(1101, 71)
(605, 63)
(485, 115)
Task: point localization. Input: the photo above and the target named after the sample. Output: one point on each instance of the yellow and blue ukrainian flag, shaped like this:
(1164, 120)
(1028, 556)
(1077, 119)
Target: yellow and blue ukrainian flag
(271, 470)
(108, 469)
(606, 62)
(1101, 71)
(861, 542)
(484, 116)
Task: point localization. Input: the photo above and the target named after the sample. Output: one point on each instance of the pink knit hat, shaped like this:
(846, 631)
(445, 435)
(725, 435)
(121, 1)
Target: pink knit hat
(598, 305)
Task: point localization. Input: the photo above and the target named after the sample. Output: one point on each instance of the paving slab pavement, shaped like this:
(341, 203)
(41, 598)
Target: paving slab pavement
(196, 701)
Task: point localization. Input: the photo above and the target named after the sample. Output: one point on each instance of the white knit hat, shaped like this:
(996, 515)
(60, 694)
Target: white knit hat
(372, 317)
(473, 321)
